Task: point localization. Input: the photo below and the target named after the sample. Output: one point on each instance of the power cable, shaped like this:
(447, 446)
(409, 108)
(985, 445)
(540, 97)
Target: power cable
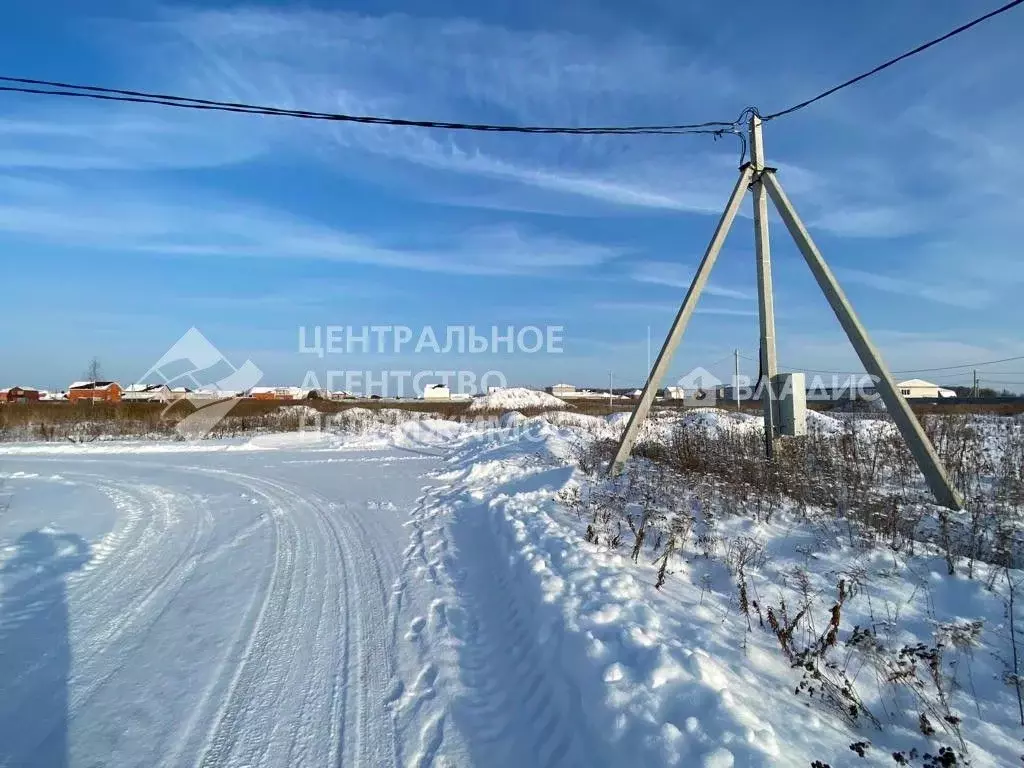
(896, 60)
(55, 88)
(914, 370)
(717, 128)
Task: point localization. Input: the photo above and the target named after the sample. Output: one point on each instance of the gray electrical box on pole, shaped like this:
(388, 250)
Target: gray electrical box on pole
(791, 393)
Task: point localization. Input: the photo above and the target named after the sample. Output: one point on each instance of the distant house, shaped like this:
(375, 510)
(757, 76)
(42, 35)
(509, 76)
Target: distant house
(19, 395)
(912, 388)
(206, 393)
(52, 396)
(146, 393)
(437, 392)
(94, 391)
(562, 390)
(275, 393)
(675, 393)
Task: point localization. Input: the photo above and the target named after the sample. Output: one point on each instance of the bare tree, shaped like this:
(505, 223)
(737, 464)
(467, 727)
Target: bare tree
(95, 371)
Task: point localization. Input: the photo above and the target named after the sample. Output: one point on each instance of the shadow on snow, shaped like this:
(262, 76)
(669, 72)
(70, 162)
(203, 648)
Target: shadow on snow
(35, 655)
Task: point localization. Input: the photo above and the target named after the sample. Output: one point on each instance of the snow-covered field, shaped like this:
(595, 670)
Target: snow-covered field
(417, 594)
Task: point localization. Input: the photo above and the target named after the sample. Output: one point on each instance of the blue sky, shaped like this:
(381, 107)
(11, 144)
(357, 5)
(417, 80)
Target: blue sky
(123, 225)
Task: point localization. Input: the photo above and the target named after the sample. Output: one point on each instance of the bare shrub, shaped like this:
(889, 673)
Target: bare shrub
(591, 456)
(822, 678)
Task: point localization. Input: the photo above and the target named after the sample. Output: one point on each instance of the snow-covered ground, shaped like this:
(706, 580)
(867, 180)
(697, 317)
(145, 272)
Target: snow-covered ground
(416, 594)
(202, 608)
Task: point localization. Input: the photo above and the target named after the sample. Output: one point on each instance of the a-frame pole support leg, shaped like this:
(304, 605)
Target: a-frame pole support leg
(675, 335)
(921, 448)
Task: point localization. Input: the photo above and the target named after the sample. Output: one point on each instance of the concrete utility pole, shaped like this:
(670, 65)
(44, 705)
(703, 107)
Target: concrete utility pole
(736, 377)
(648, 347)
(610, 380)
(975, 389)
(761, 180)
(765, 295)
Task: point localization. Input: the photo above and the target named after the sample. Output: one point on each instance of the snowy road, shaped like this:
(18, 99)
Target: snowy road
(207, 609)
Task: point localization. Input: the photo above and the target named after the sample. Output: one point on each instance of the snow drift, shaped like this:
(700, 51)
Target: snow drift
(516, 399)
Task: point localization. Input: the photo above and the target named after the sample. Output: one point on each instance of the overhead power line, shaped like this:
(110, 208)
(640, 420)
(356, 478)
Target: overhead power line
(890, 62)
(923, 370)
(915, 370)
(55, 88)
(37, 87)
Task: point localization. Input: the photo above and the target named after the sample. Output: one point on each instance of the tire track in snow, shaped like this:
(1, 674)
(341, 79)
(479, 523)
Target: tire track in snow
(515, 706)
(243, 638)
(304, 678)
(159, 580)
(377, 741)
(127, 530)
(257, 672)
(329, 694)
(121, 595)
(363, 616)
(133, 569)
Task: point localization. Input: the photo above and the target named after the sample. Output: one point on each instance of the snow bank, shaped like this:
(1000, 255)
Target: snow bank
(574, 639)
(287, 440)
(428, 434)
(363, 419)
(718, 421)
(511, 419)
(868, 428)
(577, 420)
(304, 412)
(516, 399)
(654, 700)
(622, 687)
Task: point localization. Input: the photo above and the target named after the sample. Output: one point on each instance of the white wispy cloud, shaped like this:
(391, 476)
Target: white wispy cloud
(145, 223)
(83, 137)
(655, 307)
(470, 70)
(680, 276)
(955, 294)
(460, 68)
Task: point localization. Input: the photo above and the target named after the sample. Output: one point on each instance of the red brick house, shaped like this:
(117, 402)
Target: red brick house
(275, 393)
(103, 391)
(19, 395)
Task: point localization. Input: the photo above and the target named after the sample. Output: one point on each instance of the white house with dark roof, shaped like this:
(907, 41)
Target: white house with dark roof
(146, 393)
(912, 388)
(437, 392)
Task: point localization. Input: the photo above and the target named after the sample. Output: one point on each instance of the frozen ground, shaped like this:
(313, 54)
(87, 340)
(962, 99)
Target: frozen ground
(416, 596)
